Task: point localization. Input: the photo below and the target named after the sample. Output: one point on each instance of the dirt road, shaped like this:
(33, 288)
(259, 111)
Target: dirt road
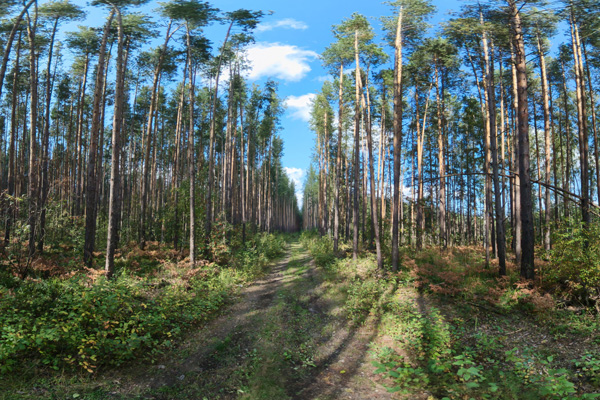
(285, 338)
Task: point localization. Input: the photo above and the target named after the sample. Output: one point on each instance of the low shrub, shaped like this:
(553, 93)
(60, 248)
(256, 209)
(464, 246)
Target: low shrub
(363, 296)
(87, 322)
(575, 262)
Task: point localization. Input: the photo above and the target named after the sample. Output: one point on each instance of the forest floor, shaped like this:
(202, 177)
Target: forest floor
(286, 337)
(315, 326)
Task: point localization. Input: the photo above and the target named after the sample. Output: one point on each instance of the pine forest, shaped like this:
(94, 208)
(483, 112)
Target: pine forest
(180, 220)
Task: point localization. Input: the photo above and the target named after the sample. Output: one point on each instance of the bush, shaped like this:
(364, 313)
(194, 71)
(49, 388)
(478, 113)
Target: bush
(320, 248)
(363, 296)
(575, 261)
(87, 322)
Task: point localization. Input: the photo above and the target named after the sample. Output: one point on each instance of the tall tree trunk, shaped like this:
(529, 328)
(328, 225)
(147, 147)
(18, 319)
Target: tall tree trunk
(356, 150)
(581, 123)
(500, 239)
(397, 137)
(191, 160)
(338, 163)
(12, 146)
(211, 159)
(91, 205)
(115, 179)
(518, 228)
(77, 178)
(46, 140)
(147, 140)
(441, 162)
(374, 211)
(527, 239)
(594, 123)
(33, 189)
(547, 141)
(567, 175)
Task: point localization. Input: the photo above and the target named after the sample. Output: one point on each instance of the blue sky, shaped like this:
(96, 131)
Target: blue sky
(287, 48)
(301, 31)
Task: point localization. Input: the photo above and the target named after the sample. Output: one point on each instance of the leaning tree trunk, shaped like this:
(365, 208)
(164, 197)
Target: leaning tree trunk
(9, 41)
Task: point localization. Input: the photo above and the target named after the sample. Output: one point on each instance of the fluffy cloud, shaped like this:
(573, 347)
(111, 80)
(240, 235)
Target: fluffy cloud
(299, 106)
(296, 175)
(282, 61)
(287, 23)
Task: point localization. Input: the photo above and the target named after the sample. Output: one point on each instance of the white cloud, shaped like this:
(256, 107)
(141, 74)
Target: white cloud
(324, 78)
(300, 105)
(287, 23)
(296, 175)
(282, 61)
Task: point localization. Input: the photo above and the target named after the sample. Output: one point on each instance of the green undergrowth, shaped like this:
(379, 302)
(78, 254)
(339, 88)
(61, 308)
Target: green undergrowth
(453, 359)
(450, 328)
(79, 321)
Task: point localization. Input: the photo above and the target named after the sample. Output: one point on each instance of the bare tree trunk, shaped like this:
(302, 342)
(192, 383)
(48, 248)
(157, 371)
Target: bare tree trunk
(527, 239)
(191, 160)
(567, 177)
(500, 239)
(12, 146)
(594, 124)
(338, 164)
(374, 211)
(147, 140)
(211, 159)
(547, 140)
(32, 191)
(397, 137)
(516, 155)
(441, 164)
(78, 174)
(356, 150)
(91, 206)
(46, 140)
(581, 123)
(115, 179)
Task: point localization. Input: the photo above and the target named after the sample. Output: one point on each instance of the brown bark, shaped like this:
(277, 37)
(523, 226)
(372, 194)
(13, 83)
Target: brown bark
(115, 180)
(397, 137)
(91, 205)
(33, 190)
(527, 239)
(581, 122)
(356, 150)
(547, 140)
